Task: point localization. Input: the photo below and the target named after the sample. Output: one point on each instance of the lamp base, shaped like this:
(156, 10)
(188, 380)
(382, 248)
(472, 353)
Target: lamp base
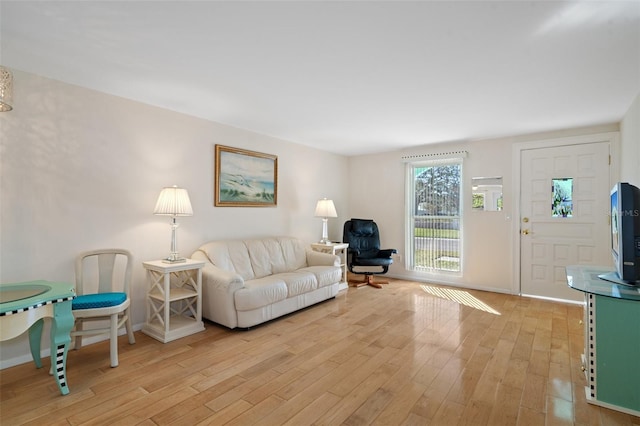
(174, 258)
(167, 260)
(325, 235)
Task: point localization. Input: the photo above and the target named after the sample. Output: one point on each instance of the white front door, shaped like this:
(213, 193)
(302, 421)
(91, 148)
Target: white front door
(564, 215)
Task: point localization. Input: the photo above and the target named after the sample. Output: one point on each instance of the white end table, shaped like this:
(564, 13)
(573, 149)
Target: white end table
(174, 303)
(338, 249)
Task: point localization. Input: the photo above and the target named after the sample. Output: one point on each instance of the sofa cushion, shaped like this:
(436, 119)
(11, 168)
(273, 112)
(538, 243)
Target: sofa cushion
(266, 257)
(270, 256)
(260, 292)
(231, 256)
(325, 275)
(293, 252)
(299, 282)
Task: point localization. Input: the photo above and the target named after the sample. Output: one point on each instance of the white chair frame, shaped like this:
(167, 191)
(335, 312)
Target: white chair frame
(118, 316)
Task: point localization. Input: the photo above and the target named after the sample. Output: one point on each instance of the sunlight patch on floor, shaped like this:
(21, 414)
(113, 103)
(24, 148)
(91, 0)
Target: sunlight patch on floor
(460, 296)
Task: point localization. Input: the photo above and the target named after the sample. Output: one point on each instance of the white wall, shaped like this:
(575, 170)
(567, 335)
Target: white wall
(630, 151)
(81, 169)
(376, 191)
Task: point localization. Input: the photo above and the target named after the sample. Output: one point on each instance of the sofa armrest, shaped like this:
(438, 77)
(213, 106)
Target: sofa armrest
(221, 279)
(218, 289)
(316, 258)
(215, 277)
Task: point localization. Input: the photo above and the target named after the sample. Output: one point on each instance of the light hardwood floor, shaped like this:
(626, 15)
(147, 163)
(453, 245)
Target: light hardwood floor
(408, 354)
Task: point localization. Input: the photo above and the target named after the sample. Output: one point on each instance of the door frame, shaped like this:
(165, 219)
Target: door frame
(613, 138)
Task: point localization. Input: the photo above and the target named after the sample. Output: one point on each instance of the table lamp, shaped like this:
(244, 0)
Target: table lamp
(174, 202)
(325, 209)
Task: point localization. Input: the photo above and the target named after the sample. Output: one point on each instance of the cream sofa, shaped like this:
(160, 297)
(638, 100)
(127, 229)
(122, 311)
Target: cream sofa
(248, 282)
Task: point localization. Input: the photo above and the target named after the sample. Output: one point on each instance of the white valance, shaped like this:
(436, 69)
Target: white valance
(435, 156)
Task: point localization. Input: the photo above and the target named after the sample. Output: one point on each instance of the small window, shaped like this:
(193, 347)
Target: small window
(478, 201)
(562, 197)
(487, 193)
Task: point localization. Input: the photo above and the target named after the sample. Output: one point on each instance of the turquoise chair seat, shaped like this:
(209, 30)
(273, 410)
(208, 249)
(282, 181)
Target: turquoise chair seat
(99, 300)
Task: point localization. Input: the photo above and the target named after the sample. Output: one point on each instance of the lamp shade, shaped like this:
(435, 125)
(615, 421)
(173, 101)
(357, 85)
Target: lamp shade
(6, 90)
(325, 208)
(173, 201)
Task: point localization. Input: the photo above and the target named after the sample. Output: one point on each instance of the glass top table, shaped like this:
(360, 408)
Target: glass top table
(588, 279)
(24, 306)
(14, 293)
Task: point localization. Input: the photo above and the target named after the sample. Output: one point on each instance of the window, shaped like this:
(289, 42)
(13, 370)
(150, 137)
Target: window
(562, 197)
(478, 201)
(433, 216)
(486, 193)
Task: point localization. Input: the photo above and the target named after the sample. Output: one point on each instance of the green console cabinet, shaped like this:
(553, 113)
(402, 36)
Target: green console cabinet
(611, 359)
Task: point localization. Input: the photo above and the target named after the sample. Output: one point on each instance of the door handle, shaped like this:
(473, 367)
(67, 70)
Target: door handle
(525, 232)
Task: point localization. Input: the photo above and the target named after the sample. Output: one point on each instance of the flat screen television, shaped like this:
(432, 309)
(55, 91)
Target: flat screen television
(625, 232)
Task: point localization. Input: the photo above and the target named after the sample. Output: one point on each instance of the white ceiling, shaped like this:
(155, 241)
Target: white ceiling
(347, 77)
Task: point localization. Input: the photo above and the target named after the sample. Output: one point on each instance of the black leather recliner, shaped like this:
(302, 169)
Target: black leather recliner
(364, 251)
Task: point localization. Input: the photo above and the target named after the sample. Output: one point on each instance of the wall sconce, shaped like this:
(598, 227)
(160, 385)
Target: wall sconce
(6, 90)
(325, 209)
(173, 201)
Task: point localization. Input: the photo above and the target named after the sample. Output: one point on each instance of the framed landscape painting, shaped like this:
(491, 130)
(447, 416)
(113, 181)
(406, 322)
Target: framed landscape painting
(245, 178)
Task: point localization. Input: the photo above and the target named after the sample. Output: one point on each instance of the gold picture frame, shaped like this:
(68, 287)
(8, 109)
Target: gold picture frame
(245, 178)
